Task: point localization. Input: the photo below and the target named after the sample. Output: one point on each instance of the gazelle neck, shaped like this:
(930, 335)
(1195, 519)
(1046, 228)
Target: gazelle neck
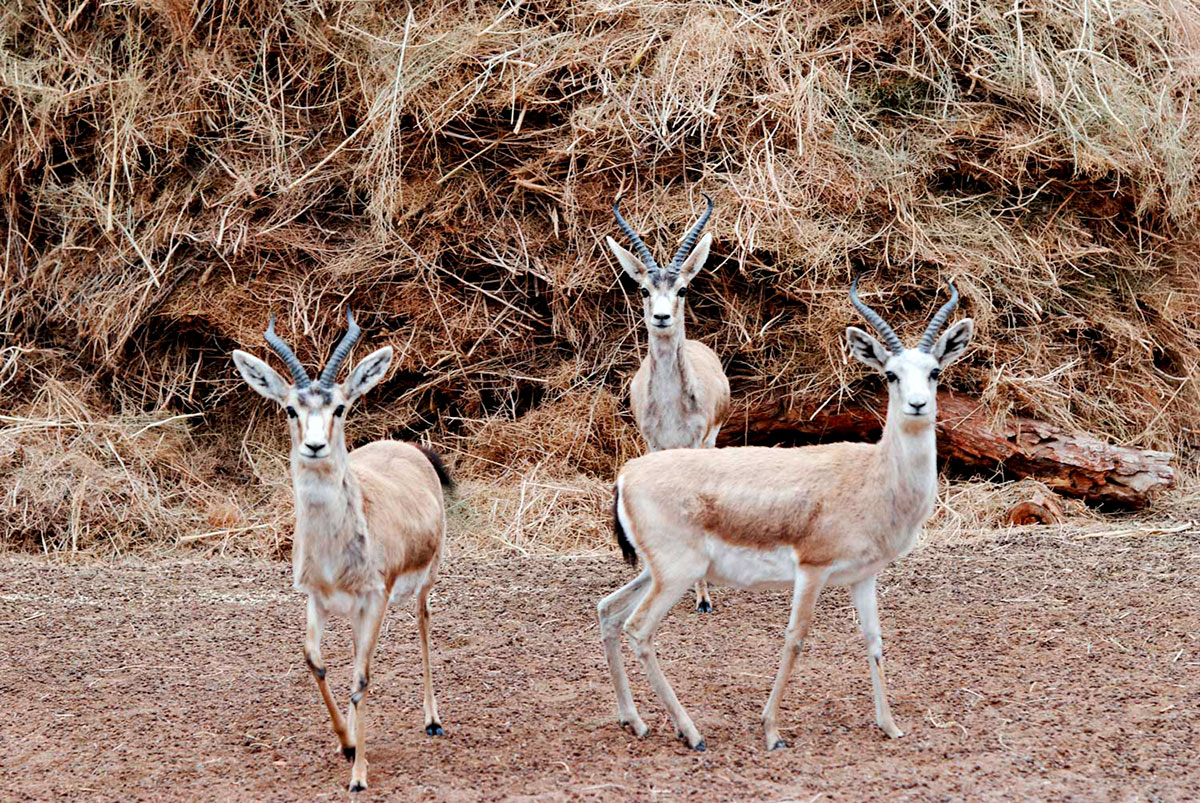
(908, 451)
(322, 489)
(664, 347)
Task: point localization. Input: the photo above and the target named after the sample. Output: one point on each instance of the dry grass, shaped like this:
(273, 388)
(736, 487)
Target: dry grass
(172, 173)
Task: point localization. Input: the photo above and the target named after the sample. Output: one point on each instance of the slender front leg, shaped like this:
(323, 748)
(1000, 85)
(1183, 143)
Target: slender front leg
(703, 601)
(433, 725)
(366, 624)
(612, 611)
(863, 594)
(312, 656)
(641, 627)
(805, 590)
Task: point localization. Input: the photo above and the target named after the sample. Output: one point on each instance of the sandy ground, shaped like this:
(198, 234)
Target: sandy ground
(1047, 667)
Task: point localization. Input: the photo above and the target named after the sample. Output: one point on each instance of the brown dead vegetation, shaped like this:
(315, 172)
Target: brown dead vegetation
(172, 173)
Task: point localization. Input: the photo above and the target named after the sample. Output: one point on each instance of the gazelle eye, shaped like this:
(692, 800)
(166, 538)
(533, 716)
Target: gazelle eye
(291, 411)
(890, 376)
(681, 292)
(645, 293)
(341, 409)
(935, 373)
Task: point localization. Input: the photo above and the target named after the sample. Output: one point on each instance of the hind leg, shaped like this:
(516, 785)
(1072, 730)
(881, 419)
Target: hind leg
(703, 601)
(640, 628)
(433, 725)
(612, 611)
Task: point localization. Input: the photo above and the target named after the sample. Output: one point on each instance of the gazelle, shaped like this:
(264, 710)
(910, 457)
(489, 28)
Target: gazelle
(679, 395)
(369, 523)
(834, 514)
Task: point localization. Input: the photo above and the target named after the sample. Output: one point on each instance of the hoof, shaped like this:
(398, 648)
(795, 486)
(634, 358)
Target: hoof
(704, 606)
(434, 729)
(779, 744)
(701, 747)
(358, 786)
(348, 752)
(638, 728)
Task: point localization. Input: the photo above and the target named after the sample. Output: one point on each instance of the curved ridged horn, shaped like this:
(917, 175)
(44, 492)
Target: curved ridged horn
(873, 318)
(939, 320)
(689, 242)
(640, 246)
(329, 375)
(299, 375)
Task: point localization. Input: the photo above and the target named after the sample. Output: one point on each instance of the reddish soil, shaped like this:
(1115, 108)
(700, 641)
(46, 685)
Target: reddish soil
(1033, 667)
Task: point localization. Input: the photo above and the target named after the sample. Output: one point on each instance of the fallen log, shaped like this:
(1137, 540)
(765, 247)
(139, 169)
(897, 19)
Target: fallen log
(1071, 464)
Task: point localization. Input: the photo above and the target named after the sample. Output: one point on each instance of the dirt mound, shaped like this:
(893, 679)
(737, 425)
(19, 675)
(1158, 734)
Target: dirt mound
(173, 173)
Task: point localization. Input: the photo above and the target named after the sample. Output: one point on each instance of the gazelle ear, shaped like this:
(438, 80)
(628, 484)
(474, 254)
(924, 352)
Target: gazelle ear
(367, 373)
(867, 349)
(951, 345)
(260, 376)
(695, 261)
(632, 265)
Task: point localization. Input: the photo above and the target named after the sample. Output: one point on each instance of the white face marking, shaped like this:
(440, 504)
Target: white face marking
(662, 302)
(912, 383)
(315, 417)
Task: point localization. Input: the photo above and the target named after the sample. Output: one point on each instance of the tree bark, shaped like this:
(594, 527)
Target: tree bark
(1072, 464)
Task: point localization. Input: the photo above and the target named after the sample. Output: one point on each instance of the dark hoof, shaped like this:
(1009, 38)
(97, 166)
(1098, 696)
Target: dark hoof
(700, 748)
(434, 729)
(779, 745)
(704, 606)
(358, 786)
(348, 752)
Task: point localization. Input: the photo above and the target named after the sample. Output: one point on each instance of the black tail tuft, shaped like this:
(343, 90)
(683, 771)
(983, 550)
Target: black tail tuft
(440, 467)
(622, 540)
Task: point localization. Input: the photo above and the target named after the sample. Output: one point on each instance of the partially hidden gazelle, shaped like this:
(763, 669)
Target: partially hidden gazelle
(369, 523)
(679, 395)
(804, 518)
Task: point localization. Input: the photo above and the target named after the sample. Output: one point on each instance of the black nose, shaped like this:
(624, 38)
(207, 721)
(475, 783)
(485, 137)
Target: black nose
(314, 449)
(662, 317)
(916, 405)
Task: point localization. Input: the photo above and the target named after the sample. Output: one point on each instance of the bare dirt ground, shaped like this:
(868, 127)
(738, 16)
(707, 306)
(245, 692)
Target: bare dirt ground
(1044, 667)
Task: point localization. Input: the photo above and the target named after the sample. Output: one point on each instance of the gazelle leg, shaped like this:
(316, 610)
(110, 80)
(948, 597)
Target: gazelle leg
(366, 624)
(641, 627)
(804, 598)
(612, 611)
(433, 725)
(703, 600)
(312, 656)
(863, 594)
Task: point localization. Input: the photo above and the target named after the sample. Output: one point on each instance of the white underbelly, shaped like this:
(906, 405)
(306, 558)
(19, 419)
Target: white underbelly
(747, 567)
(407, 584)
(346, 604)
(338, 603)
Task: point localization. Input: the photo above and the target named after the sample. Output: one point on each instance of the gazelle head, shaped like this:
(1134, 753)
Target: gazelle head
(663, 291)
(315, 410)
(912, 374)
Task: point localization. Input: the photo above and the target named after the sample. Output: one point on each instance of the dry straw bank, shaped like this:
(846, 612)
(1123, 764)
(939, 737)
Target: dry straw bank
(173, 172)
